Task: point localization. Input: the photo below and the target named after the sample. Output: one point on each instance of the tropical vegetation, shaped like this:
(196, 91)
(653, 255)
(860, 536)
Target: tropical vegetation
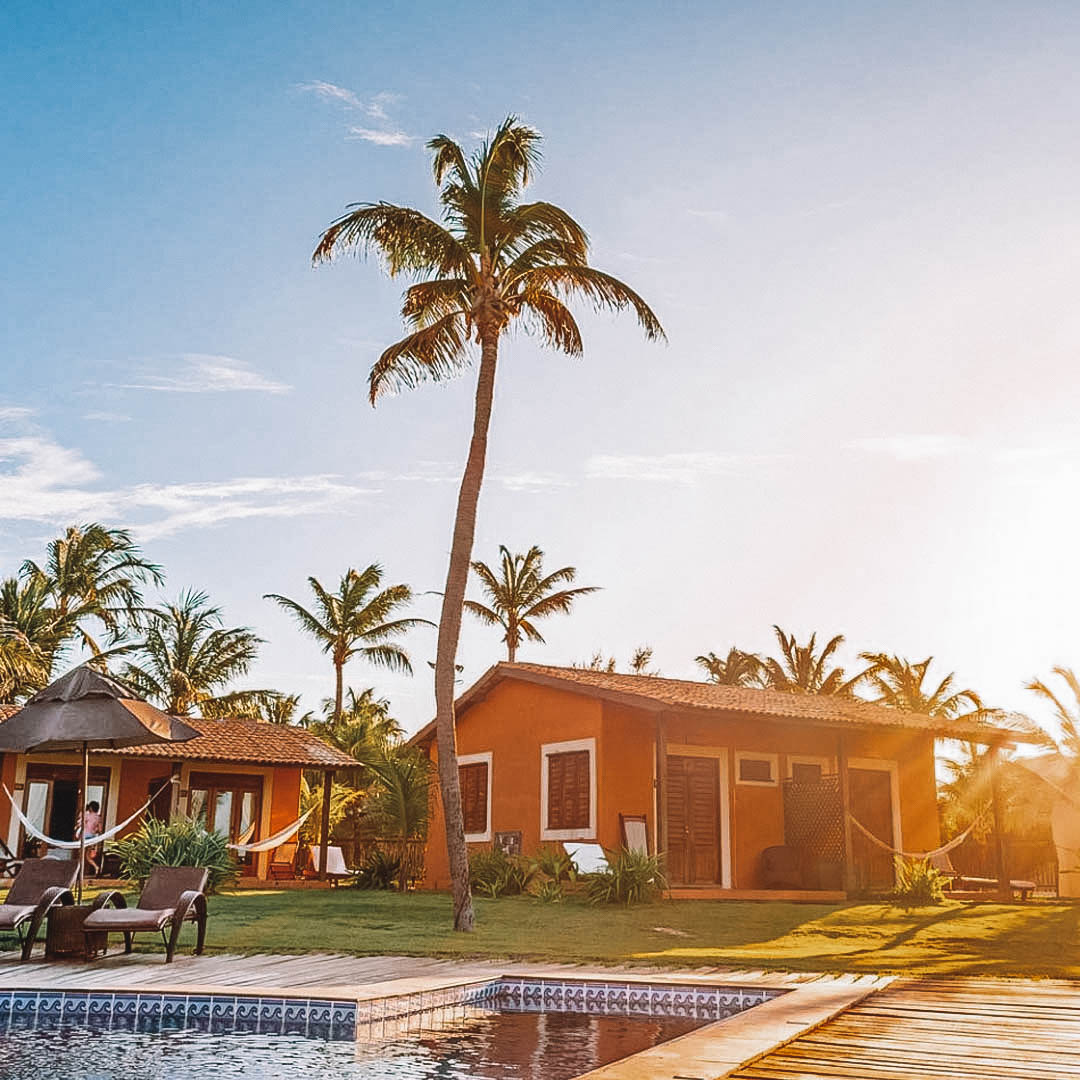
(519, 592)
(494, 263)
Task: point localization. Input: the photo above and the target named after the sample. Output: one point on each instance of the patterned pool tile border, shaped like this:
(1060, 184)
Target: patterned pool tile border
(314, 1018)
(385, 1018)
(377, 1019)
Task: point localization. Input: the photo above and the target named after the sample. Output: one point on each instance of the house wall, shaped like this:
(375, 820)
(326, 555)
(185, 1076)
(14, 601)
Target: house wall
(131, 778)
(513, 722)
(517, 718)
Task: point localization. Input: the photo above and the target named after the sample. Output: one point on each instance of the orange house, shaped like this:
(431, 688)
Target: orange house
(239, 776)
(743, 791)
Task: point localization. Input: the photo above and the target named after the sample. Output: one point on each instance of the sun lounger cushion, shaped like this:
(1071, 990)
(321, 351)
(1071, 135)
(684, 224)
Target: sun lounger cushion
(13, 914)
(133, 919)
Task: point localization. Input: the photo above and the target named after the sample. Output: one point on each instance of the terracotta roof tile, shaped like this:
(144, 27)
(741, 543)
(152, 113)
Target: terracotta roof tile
(237, 740)
(657, 694)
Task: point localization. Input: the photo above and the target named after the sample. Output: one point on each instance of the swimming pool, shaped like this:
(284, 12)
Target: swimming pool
(495, 1030)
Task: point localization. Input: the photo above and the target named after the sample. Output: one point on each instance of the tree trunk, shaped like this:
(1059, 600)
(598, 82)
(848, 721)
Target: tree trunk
(511, 644)
(339, 675)
(450, 629)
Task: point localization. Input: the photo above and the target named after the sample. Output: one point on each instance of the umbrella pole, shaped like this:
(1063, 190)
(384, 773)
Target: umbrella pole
(82, 815)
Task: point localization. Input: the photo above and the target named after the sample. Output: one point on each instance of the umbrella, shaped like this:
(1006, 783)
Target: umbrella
(86, 710)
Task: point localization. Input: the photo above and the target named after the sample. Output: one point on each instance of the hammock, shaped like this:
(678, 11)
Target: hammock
(91, 841)
(918, 856)
(277, 839)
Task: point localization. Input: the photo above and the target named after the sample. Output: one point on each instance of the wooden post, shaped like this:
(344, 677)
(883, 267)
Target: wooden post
(324, 829)
(661, 786)
(1004, 888)
(850, 882)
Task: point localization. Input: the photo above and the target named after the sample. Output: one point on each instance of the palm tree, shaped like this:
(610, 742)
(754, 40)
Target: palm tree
(265, 706)
(640, 659)
(1067, 715)
(738, 668)
(801, 669)
(32, 636)
(520, 592)
(93, 573)
(494, 263)
(355, 621)
(365, 730)
(900, 683)
(188, 656)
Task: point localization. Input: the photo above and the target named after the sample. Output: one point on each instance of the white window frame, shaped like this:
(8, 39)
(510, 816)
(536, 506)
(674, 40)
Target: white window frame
(477, 759)
(546, 751)
(756, 755)
(809, 759)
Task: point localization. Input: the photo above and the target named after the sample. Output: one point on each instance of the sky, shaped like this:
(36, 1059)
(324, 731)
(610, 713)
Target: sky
(858, 224)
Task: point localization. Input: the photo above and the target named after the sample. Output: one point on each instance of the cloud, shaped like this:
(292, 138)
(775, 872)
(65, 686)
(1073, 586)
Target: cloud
(678, 468)
(913, 448)
(201, 373)
(374, 108)
(42, 481)
(12, 414)
(108, 417)
(717, 218)
(380, 138)
(533, 482)
(329, 92)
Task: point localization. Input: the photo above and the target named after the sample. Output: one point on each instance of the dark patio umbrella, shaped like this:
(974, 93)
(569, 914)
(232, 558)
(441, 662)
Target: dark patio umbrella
(84, 710)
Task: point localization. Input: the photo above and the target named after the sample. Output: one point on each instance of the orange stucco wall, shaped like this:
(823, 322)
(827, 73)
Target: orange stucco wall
(517, 718)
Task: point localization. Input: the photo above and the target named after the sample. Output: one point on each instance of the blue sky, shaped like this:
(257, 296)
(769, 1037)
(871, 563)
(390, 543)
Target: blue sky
(856, 222)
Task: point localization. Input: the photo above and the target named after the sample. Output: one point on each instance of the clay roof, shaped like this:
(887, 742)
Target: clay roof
(654, 694)
(242, 741)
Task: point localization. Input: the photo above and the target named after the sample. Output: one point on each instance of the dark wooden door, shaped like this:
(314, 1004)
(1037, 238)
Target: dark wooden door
(693, 826)
(871, 803)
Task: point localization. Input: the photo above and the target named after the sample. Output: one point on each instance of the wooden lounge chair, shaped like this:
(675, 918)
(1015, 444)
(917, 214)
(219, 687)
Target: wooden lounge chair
(336, 870)
(173, 895)
(963, 883)
(283, 862)
(39, 886)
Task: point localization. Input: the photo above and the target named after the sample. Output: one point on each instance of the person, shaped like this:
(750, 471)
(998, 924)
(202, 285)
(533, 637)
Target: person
(91, 822)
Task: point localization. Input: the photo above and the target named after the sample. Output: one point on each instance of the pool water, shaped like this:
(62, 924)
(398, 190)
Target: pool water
(485, 1046)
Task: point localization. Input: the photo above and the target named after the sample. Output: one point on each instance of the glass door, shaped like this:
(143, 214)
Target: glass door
(228, 804)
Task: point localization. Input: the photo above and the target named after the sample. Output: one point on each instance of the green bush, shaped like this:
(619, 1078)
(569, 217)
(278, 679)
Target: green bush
(494, 873)
(548, 892)
(380, 870)
(918, 884)
(180, 842)
(554, 863)
(631, 877)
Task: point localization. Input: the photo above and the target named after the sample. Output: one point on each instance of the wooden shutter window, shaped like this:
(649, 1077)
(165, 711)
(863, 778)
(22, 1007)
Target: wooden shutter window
(568, 790)
(474, 791)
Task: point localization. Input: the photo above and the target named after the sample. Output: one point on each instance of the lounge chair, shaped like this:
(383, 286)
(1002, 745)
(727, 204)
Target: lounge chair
(336, 870)
(39, 886)
(172, 896)
(283, 862)
(962, 882)
(9, 862)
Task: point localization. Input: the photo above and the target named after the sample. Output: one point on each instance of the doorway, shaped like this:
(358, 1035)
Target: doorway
(871, 793)
(51, 802)
(694, 854)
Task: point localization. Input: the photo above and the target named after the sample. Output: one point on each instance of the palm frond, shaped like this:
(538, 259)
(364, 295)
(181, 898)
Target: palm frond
(436, 352)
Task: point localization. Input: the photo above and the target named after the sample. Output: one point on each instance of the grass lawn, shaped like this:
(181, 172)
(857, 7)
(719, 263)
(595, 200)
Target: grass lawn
(1037, 938)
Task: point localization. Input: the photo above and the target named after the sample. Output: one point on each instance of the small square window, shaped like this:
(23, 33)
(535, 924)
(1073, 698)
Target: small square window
(755, 768)
(805, 772)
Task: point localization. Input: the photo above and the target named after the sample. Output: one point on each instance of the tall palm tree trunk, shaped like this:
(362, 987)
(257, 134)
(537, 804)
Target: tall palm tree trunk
(339, 690)
(450, 630)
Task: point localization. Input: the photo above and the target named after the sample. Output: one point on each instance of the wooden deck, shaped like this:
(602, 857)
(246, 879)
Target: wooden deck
(926, 1029)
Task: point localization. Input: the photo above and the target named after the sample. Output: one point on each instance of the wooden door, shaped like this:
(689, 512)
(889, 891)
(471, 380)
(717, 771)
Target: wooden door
(693, 826)
(871, 803)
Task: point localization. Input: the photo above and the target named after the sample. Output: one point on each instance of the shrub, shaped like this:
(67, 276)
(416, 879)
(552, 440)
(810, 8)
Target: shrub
(918, 884)
(631, 877)
(494, 873)
(554, 863)
(180, 842)
(548, 892)
(380, 870)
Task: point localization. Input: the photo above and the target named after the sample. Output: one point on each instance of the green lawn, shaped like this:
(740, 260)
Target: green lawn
(1038, 938)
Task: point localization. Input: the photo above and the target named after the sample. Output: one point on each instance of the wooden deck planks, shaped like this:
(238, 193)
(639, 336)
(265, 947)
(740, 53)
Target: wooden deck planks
(940, 1029)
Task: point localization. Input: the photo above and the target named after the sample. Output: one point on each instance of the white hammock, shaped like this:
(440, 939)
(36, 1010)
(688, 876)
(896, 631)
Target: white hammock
(955, 842)
(91, 841)
(276, 840)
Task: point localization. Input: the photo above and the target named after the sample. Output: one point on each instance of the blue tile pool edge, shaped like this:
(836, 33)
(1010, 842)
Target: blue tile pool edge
(348, 1020)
